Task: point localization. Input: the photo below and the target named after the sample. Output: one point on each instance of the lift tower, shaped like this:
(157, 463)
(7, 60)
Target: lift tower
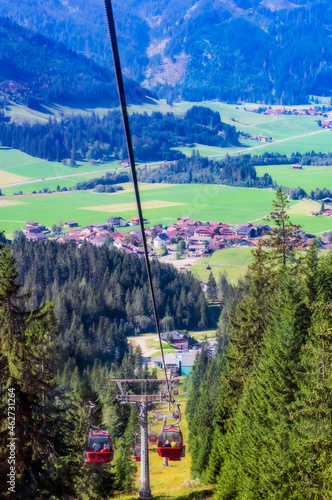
(142, 400)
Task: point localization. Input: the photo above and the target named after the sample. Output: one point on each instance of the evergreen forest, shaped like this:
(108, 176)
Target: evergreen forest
(93, 137)
(269, 434)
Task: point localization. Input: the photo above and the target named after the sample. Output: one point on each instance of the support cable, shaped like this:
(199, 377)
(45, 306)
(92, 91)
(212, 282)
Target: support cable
(124, 112)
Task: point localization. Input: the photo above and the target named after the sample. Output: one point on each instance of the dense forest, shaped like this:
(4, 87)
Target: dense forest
(36, 70)
(273, 52)
(100, 296)
(231, 170)
(50, 398)
(93, 137)
(269, 434)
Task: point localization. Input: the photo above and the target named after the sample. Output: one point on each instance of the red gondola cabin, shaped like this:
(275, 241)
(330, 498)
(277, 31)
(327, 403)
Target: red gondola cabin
(170, 443)
(99, 447)
(175, 392)
(152, 437)
(137, 454)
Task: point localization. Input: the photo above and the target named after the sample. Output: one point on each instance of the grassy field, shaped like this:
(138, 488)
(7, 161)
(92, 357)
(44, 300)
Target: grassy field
(167, 483)
(204, 202)
(161, 204)
(233, 261)
(308, 178)
(16, 166)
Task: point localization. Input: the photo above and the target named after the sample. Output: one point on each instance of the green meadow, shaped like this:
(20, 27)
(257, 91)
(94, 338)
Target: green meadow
(164, 205)
(16, 166)
(232, 261)
(308, 178)
(161, 204)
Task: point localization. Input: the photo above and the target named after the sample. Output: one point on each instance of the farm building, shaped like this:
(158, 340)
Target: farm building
(72, 223)
(125, 163)
(180, 340)
(116, 221)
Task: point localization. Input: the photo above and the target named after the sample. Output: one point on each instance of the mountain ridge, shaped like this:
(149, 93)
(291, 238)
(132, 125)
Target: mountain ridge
(271, 51)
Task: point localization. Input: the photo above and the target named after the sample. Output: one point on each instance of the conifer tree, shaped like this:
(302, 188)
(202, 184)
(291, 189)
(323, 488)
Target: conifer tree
(260, 459)
(282, 240)
(313, 408)
(212, 289)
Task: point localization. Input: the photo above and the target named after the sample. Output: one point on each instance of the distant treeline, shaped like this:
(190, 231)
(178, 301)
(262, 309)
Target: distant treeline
(101, 296)
(94, 137)
(107, 182)
(233, 171)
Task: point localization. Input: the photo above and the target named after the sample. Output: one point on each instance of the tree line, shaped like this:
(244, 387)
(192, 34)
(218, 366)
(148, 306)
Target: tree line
(230, 170)
(93, 137)
(50, 403)
(269, 435)
(100, 296)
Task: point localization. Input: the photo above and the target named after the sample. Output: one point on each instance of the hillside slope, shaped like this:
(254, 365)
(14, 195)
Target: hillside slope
(35, 69)
(255, 50)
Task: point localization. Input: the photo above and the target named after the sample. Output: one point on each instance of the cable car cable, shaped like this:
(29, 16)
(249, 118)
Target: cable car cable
(124, 112)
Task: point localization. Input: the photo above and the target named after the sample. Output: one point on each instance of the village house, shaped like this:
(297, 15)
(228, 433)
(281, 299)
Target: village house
(161, 240)
(183, 219)
(116, 222)
(176, 339)
(196, 250)
(125, 163)
(198, 240)
(72, 223)
(218, 245)
(100, 225)
(36, 236)
(208, 231)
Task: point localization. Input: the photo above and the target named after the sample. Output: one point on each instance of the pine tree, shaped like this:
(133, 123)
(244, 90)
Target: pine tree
(282, 240)
(313, 408)
(212, 289)
(260, 459)
(26, 359)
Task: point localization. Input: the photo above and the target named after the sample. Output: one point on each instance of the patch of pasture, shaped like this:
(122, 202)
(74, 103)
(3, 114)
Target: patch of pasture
(202, 202)
(128, 207)
(232, 261)
(15, 162)
(309, 178)
(304, 208)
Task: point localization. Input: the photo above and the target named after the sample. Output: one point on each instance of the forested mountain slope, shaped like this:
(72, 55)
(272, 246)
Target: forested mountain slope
(35, 69)
(101, 296)
(258, 50)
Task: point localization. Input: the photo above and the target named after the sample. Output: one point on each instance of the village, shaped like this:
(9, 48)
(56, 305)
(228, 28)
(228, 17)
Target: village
(187, 238)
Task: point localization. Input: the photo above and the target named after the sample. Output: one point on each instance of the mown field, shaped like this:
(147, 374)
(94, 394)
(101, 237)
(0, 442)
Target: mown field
(162, 205)
(232, 261)
(308, 178)
(17, 167)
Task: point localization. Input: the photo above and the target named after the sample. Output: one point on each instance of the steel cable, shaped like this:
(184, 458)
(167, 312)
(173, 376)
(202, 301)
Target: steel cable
(124, 112)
